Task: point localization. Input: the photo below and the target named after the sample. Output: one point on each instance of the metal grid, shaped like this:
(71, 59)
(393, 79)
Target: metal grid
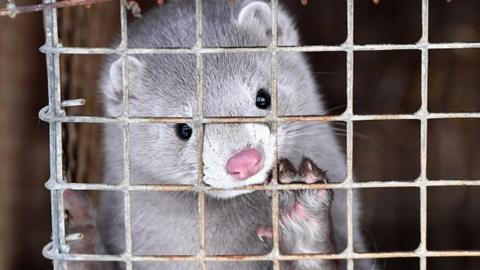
(57, 250)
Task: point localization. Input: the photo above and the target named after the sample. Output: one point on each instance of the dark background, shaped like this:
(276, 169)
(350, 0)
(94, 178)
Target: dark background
(384, 82)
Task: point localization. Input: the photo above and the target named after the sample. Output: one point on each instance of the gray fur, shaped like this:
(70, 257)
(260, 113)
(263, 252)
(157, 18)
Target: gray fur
(167, 223)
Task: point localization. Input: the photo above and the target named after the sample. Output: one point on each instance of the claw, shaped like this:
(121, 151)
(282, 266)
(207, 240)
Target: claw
(264, 232)
(286, 171)
(310, 172)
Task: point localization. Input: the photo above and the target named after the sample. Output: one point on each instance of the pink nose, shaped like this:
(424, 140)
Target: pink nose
(244, 164)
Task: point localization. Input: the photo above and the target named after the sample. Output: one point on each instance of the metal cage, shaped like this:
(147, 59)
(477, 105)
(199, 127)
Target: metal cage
(54, 114)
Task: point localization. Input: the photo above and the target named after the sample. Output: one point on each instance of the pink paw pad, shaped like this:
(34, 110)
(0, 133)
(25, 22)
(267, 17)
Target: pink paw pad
(300, 211)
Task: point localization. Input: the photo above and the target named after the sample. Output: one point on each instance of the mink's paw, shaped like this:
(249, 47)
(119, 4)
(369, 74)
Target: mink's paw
(308, 207)
(286, 172)
(80, 223)
(81, 229)
(264, 233)
(305, 221)
(310, 173)
(301, 202)
(79, 211)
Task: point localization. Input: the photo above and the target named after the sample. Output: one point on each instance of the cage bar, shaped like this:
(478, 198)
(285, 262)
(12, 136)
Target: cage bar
(314, 48)
(274, 129)
(46, 115)
(201, 131)
(349, 112)
(126, 140)
(246, 258)
(423, 112)
(53, 72)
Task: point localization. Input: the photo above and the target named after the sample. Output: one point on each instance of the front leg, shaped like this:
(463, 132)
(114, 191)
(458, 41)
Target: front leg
(305, 223)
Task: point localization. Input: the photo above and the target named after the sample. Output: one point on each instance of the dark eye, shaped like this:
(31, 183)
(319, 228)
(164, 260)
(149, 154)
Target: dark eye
(184, 131)
(262, 100)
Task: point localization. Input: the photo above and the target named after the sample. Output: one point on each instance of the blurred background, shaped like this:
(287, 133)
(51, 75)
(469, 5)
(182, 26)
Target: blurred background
(386, 82)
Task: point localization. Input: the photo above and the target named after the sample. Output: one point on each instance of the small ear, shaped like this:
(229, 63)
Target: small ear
(134, 69)
(256, 13)
(256, 18)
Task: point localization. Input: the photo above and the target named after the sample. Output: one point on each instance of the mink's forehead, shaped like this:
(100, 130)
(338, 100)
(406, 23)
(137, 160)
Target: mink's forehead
(230, 82)
(235, 74)
(234, 62)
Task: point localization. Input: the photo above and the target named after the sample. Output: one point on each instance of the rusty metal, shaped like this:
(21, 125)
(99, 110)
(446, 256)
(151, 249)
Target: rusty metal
(13, 10)
(239, 258)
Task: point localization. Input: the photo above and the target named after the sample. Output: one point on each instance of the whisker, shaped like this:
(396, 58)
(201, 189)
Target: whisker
(325, 73)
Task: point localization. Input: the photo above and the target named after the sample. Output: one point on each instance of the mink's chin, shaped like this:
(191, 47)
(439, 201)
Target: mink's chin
(226, 193)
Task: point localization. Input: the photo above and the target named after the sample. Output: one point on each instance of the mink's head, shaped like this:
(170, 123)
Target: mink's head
(234, 85)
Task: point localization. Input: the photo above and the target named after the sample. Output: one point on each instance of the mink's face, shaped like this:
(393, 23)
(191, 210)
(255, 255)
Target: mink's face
(234, 154)
(234, 85)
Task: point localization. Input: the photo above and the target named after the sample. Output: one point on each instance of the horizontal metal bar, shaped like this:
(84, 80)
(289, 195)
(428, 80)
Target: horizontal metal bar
(316, 48)
(47, 117)
(266, 257)
(297, 186)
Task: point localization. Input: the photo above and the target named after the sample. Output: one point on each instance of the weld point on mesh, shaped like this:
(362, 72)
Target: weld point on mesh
(65, 248)
(51, 184)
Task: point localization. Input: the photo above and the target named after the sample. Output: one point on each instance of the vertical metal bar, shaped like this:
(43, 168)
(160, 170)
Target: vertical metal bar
(274, 127)
(201, 130)
(56, 168)
(423, 136)
(349, 112)
(54, 194)
(126, 137)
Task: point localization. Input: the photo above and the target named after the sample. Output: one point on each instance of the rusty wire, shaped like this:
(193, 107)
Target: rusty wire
(13, 10)
(57, 250)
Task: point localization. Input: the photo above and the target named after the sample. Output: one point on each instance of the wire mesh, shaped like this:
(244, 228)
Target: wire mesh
(57, 250)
